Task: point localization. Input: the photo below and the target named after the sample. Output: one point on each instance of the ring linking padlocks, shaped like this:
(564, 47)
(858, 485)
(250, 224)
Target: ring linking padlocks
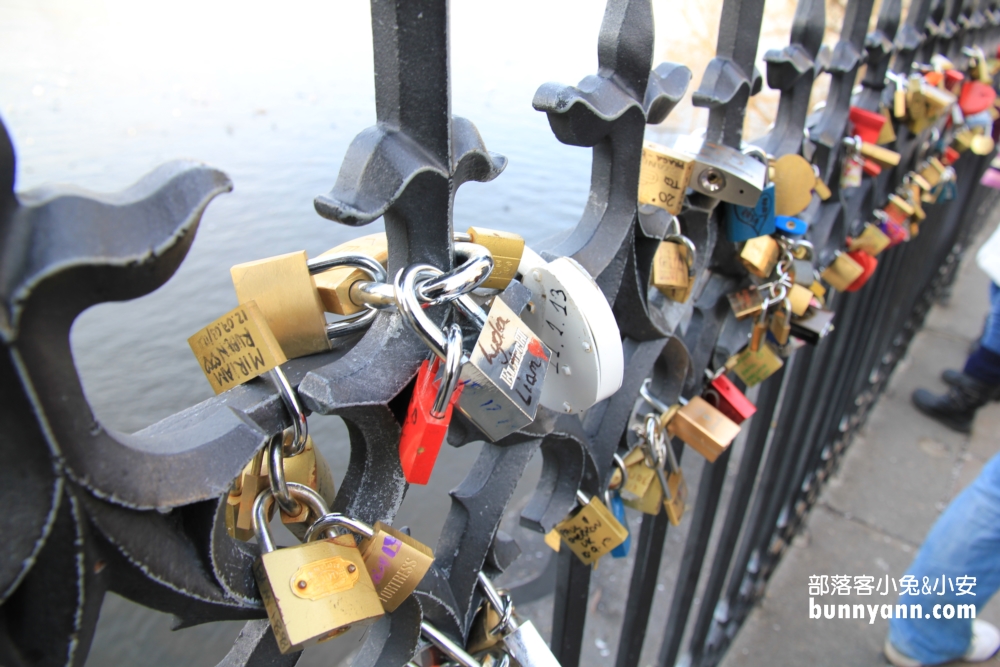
(496, 626)
(314, 591)
(501, 380)
(395, 561)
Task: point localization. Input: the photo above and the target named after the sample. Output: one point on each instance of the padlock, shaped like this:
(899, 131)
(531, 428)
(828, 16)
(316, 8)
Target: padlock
(781, 322)
(819, 186)
(801, 298)
(315, 591)
(591, 530)
(429, 412)
(702, 427)
(395, 561)
(898, 209)
(673, 265)
(571, 316)
(976, 97)
(283, 289)
(760, 325)
(880, 154)
(747, 222)
(642, 492)
(746, 302)
(760, 255)
(794, 181)
(502, 379)
(664, 176)
(853, 164)
(872, 240)
(676, 490)
(842, 272)
(790, 226)
(658, 454)
(613, 499)
(725, 397)
(888, 134)
(813, 327)
(239, 503)
(982, 145)
(867, 124)
(517, 638)
(868, 265)
(755, 367)
(455, 653)
(723, 172)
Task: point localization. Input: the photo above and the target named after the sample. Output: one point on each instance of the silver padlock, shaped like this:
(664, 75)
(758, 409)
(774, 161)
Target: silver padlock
(723, 172)
(521, 641)
(501, 380)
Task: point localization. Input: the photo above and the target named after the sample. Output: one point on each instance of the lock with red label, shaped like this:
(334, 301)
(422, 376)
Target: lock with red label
(429, 412)
(725, 397)
(868, 263)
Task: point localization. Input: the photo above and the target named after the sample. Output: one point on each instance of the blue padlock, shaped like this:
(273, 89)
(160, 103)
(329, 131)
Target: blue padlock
(618, 509)
(790, 225)
(744, 223)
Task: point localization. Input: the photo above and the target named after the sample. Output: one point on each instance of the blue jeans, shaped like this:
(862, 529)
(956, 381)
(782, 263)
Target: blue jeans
(984, 363)
(991, 334)
(964, 542)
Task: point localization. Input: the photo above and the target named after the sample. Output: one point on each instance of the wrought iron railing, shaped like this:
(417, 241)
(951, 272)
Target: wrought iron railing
(90, 510)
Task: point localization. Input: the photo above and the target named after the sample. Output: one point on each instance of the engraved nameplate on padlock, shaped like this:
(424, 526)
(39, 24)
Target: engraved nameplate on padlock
(502, 381)
(236, 348)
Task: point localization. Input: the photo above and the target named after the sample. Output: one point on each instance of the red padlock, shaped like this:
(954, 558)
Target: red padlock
(868, 263)
(976, 97)
(867, 124)
(950, 156)
(871, 167)
(723, 395)
(423, 433)
(934, 78)
(952, 78)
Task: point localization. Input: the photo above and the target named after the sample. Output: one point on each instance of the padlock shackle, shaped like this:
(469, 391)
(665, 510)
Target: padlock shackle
(300, 425)
(502, 603)
(450, 648)
(336, 520)
(647, 395)
(259, 519)
(353, 260)
(450, 373)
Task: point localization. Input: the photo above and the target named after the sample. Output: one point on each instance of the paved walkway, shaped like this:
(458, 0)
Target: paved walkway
(872, 516)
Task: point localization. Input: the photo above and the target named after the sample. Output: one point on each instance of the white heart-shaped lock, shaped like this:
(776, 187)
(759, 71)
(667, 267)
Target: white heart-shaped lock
(570, 314)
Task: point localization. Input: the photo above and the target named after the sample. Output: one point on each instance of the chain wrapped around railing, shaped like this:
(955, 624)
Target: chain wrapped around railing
(698, 269)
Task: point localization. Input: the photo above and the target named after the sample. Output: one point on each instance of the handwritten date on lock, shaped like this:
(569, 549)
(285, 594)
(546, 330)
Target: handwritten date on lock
(236, 348)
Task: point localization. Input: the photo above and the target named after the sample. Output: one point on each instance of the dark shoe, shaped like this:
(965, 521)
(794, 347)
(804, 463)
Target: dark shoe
(960, 379)
(957, 408)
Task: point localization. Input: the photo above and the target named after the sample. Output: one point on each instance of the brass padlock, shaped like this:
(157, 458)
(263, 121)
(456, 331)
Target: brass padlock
(702, 427)
(239, 502)
(396, 562)
(842, 272)
(641, 490)
(794, 181)
(591, 530)
(781, 322)
(760, 255)
(506, 248)
(760, 325)
(746, 302)
(312, 592)
(887, 134)
(658, 454)
(673, 266)
(872, 240)
(519, 640)
(881, 154)
(753, 367)
(800, 298)
(664, 175)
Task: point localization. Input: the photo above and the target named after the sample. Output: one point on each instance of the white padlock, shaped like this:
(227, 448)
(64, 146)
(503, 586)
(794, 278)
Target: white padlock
(570, 314)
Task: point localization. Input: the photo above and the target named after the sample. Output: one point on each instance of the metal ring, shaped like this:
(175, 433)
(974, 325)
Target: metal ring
(276, 476)
(300, 425)
(258, 515)
(452, 368)
(501, 603)
(337, 520)
(405, 286)
(462, 279)
(346, 327)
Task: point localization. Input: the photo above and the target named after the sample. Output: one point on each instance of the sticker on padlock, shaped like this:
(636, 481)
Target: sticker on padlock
(429, 412)
(315, 591)
(760, 255)
(664, 175)
(395, 561)
(571, 316)
(503, 378)
(725, 397)
(591, 530)
(673, 264)
(723, 172)
(753, 367)
(747, 222)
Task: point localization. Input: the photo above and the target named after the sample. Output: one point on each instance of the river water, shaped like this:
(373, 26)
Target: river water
(98, 93)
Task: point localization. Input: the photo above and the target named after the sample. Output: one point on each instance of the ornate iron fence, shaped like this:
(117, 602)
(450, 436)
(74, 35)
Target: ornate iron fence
(89, 510)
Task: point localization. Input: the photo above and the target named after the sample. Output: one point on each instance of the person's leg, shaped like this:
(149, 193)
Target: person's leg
(964, 542)
(978, 383)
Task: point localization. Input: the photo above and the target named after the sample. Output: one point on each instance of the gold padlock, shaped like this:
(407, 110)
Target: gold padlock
(760, 324)
(239, 502)
(334, 286)
(794, 181)
(801, 298)
(872, 240)
(673, 266)
(395, 561)
(506, 248)
(312, 592)
(842, 272)
(664, 175)
(887, 134)
(746, 302)
(760, 255)
(753, 367)
(781, 322)
(962, 141)
(702, 426)
(881, 154)
(641, 491)
(591, 530)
